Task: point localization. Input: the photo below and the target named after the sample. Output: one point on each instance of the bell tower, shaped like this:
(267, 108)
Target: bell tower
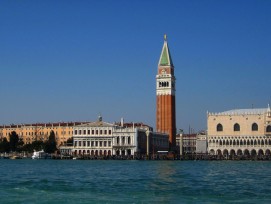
(165, 96)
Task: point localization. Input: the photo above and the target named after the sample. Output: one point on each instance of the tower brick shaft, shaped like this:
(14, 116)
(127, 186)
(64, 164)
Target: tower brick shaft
(165, 96)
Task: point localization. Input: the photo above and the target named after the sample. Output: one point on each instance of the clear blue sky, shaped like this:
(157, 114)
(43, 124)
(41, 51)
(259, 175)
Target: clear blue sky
(71, 60)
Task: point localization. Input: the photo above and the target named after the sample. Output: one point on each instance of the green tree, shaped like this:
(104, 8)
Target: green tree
(28, 148)
(37, 145)
(69, 141)
(4, 145)
(20, 144)
(50, 145)
(13, 141)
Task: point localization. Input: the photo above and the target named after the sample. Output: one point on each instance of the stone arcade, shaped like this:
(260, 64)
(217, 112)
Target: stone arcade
(242, 132)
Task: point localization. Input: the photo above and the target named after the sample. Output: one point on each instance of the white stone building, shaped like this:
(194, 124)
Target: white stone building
(95, 138)
(101, 139)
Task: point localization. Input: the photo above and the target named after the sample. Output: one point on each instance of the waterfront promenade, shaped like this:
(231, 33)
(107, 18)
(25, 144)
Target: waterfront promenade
(185, 157)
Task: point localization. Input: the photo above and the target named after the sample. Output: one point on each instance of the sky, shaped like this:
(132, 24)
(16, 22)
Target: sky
(74, 60)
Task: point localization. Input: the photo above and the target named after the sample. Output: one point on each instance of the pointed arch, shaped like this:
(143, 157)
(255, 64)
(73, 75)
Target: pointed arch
(254, 127)
(268, 128)
(227, 142)
(256, 142)
(246, 152)
(219, 128)
(262, 143)
(260, 152)
(253, 152)
(232, 152)
(236, 127)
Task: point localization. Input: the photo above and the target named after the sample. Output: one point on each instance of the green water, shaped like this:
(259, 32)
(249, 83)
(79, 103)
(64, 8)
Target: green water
(88, 181)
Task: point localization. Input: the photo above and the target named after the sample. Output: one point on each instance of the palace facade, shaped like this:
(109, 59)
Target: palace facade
(107, 139)
(240, 132)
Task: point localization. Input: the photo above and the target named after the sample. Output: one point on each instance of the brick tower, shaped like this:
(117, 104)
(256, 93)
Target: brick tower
(165, 96)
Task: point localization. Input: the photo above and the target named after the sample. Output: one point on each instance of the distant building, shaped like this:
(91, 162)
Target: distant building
(40, 131)
(201, 143)
(240, 132)
(191, 143)
(121, 139)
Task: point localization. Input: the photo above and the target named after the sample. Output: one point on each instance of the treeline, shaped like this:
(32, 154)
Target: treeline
(16, 144)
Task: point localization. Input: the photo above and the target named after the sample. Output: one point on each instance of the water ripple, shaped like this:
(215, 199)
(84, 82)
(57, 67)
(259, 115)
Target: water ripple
(51, 181)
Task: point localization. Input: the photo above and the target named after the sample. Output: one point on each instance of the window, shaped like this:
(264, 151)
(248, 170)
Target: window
(105, 132)
(88, 132)
(92, 132)
(123, 140)
(75, 132)
(101, 132)
(219, 128)
(268, 128)
(97, 132)
(101, 143)
(109, 132)
(85, 132)
(109, 143)
(254, 127)
(236, 127)
(104, 143)
(80, 132)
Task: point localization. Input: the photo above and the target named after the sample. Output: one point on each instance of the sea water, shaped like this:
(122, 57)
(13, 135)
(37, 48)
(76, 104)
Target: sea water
(110, 181)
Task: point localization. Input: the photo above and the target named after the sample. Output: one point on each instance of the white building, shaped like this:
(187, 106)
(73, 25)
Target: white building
(101, 139)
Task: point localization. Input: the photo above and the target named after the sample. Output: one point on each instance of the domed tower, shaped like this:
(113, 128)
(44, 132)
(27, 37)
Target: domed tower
(165, 96)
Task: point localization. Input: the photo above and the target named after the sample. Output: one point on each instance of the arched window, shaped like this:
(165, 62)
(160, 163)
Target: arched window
(123, 140)
(236, 127)
(219, 128)
(268, 128)
(129, 140)
(254, 127)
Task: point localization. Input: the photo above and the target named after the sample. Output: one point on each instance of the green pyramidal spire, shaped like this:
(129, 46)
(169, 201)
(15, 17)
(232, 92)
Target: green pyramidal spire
(165, 58)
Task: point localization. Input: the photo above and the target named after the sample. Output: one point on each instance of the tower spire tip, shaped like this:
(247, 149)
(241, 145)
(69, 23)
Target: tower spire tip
(165, 37)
